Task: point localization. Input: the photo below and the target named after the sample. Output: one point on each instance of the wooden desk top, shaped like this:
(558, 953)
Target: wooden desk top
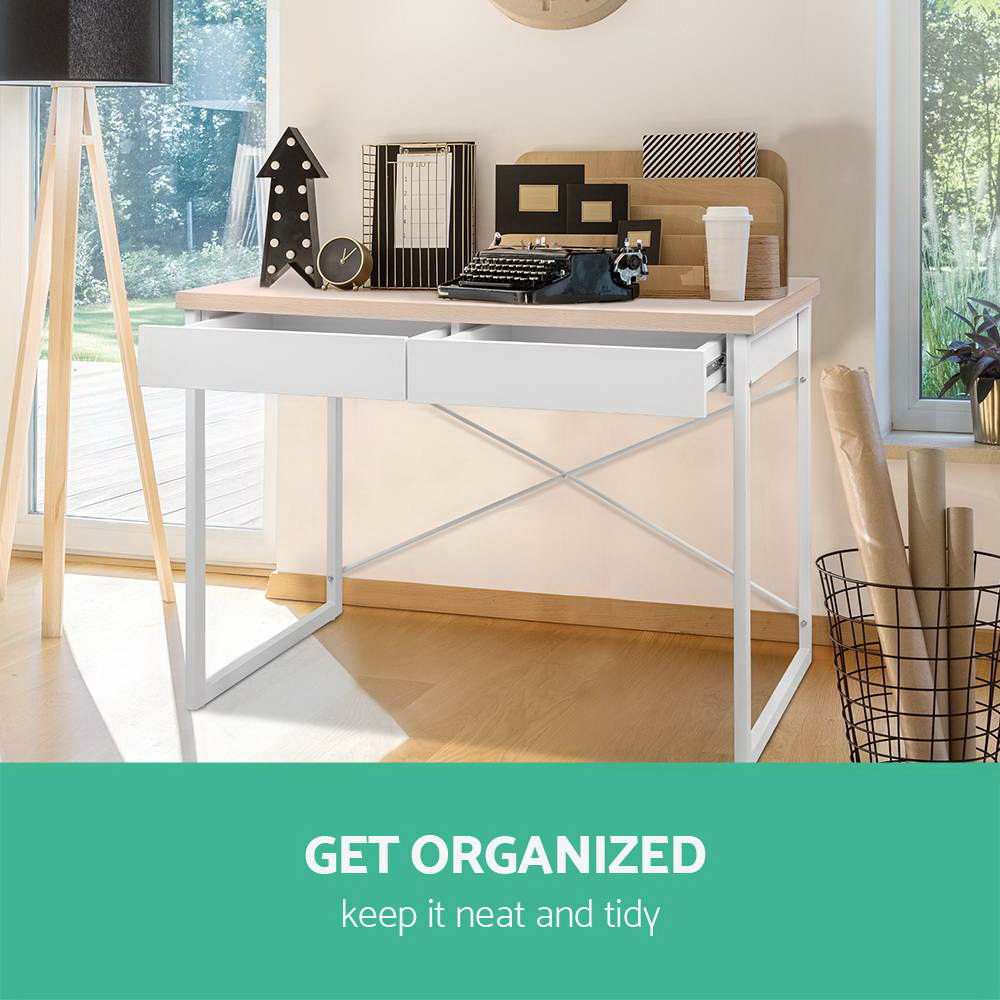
(293, 297)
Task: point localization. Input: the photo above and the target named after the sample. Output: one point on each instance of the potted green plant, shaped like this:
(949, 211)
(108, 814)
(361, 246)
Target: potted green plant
(978, 360)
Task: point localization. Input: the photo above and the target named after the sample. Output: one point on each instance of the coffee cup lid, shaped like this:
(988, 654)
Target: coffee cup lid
(727, 213)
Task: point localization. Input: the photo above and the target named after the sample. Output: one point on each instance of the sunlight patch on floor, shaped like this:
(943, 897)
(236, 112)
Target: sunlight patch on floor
(302, 706)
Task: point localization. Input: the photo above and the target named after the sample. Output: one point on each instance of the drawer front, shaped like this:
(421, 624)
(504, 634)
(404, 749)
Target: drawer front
(293, 362)
(587, 377)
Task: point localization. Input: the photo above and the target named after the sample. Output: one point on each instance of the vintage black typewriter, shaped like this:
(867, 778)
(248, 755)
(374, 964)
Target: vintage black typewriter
(546, 273)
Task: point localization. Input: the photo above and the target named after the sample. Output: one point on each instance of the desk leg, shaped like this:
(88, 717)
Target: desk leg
(740, 381)
(335, 505)
(194, 555)
(804, 483)
(786, 687)
(199, 689)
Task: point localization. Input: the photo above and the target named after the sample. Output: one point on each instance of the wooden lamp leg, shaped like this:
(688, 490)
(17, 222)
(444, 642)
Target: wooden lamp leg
(67, 106)
(73, 125)
(126, 344)
(26, 371)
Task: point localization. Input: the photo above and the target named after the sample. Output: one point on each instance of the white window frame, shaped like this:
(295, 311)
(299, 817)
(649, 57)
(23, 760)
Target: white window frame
(901, 48)
(94, 536)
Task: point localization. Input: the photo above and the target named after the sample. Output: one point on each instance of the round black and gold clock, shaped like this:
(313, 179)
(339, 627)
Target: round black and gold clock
(344, 263)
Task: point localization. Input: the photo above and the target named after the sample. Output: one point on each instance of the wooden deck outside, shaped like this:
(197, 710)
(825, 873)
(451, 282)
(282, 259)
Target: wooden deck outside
(104, 475)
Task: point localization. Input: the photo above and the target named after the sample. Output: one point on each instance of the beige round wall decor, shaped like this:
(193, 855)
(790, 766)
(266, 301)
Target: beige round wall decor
(557, 14)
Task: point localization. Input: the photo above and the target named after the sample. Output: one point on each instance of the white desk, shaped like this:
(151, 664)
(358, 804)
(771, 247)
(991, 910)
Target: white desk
(650, 356)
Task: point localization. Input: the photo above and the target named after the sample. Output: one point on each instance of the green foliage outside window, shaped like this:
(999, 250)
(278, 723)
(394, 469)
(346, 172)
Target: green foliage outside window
(961, 141)
(171, 157)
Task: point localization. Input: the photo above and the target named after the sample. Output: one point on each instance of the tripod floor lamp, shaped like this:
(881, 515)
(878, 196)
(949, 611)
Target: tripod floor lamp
(74, 46)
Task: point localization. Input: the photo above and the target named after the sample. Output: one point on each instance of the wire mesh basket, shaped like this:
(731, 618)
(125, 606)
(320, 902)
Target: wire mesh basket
(929, 692)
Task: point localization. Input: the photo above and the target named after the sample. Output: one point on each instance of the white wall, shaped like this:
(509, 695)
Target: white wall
(802, 74)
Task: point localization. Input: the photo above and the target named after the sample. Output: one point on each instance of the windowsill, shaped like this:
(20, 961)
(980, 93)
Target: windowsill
(957, 447)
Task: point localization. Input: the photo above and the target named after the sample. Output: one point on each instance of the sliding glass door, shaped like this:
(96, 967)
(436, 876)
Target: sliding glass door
(183, 163)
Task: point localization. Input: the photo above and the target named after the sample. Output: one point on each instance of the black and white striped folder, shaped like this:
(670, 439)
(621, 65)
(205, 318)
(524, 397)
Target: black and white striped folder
(700, 154)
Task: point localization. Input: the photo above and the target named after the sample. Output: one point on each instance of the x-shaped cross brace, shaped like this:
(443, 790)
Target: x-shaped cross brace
(573, 476)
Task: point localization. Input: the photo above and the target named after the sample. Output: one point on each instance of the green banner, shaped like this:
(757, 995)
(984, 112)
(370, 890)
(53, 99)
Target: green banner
(440, 881)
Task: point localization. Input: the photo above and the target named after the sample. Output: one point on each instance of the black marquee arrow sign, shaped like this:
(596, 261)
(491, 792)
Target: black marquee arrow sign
(292, 237)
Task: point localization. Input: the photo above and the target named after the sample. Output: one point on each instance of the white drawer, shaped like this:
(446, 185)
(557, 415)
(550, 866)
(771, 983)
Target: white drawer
(294, 355)
(597, 371)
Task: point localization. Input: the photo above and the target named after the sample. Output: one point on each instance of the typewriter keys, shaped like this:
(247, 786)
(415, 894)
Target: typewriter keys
(344, 263)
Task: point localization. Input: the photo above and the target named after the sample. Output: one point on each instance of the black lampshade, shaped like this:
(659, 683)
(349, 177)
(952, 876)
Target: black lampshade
(112, 42)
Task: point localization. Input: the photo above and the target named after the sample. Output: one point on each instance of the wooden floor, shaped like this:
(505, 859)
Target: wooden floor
(459, 688)
(104, 474)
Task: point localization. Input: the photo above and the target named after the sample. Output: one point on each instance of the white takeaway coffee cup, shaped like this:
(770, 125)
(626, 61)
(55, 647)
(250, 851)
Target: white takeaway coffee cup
(727, 230)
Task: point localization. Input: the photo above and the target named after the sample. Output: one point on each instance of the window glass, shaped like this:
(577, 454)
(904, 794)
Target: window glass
(183, 162)
(961, 171)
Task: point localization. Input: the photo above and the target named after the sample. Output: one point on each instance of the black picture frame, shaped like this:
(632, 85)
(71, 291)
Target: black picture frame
(655, 229)
(510, 218)
(580, 196)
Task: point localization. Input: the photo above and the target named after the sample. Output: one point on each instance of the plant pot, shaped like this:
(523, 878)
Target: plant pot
(986, 415)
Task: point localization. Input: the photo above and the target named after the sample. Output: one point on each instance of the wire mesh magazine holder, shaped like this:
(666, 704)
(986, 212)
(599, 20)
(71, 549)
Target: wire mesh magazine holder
(419, 211)
(887, 720)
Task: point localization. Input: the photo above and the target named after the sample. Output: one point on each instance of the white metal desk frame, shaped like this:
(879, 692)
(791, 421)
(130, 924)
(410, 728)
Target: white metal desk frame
(749, 737)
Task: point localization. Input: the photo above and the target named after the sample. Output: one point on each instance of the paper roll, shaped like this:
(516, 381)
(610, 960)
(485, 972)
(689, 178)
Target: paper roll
(962, 633)
(864, 473)
(926, 479)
